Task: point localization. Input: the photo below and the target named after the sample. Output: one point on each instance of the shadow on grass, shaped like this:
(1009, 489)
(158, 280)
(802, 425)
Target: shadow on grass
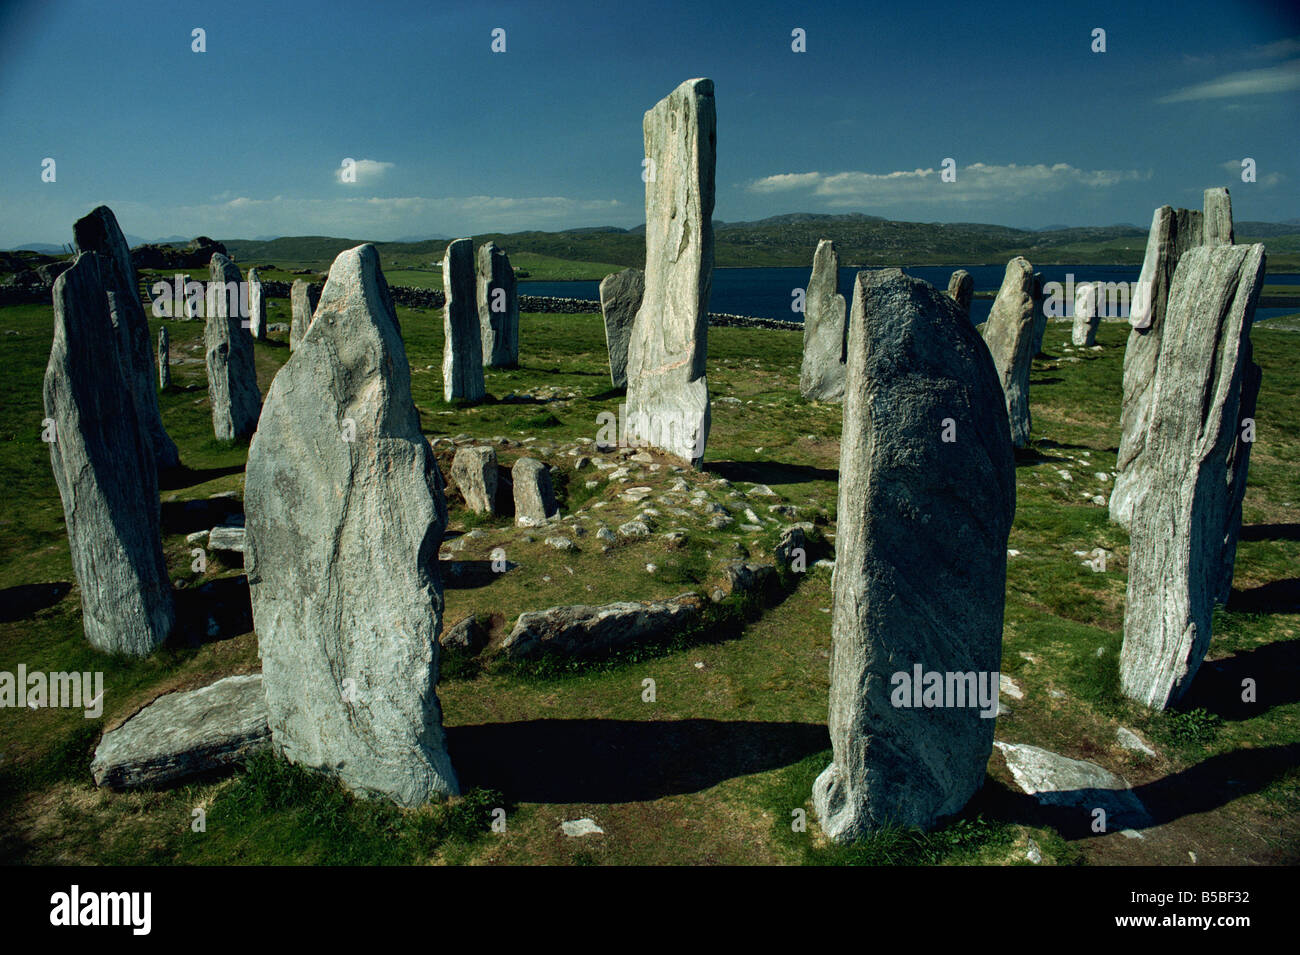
(1278, 596)
(609, 761)
(1270, 532)
(26, 600)
(770, 472)
(183, 517)
(1026, 457)
(187, 477)
(1217, 687)
(217, 610)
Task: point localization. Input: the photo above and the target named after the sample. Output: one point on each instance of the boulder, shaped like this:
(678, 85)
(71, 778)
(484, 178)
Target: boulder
(667, 389)
(1188, 512)
(462, 349)
(474, 470)
(1009, 334)
(620, 300)
(1087, 315)
(303, 298)
(183, 735)
(793, 548)
(232, 375)
(341, 550)
(920, 562)
(825, 329)
(498, 307)
(534, 495)
(104, 468)
(961, 289)
(256, 307)
(1060, 782)
(465, 637)
(227, 537)
(581, 631)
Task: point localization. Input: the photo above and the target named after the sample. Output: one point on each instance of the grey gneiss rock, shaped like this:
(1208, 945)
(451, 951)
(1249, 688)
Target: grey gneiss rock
(1040, 313)
(1009, 334)
(303, 298)
(182, 735)
(342, 550)
(961, 289)
(104, 468)
(1058, 781)
(920, 562)
(232, 376)
(98, 231)
(620, 299)
(581, 631)
(256, 307)
(825, 329)
(1087, 315)
(164, 359)
(474, 469)
(462, 349)
(667, 390)
(1216, 226)
(227, 537)
(1183, 520)
(498, 307)
(534, 496)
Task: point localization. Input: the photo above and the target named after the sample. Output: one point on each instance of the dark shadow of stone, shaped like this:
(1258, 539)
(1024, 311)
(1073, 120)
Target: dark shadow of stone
(182, 476)
(770, 472)
(607, 394)
(1217, 685)
(26, 600)
(469, 574)
(1277, 596)
(185, 517)
(1030, 456)
(1270, 532)
(611, 761)
(216, 610)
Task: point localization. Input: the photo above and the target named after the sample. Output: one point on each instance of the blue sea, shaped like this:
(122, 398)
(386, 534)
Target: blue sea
(766, 292)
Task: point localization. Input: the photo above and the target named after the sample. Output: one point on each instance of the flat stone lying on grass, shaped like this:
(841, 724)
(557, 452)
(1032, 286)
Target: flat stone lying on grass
(583, 631)
(182, 735)
(1058, 781)
(581, 827)
(226, 537)
(1131, 741)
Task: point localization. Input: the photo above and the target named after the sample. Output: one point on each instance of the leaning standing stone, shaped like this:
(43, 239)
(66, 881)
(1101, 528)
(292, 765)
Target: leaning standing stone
(1184, 516)
(534, 496)
(498, 307)
(303, 297)
(341, 547)
(1009, 334)
(164, 359)
(256, 306)
(961, 289)
(462, 348)
(920, 566)
(1086, 315)
(104, 468)
(232, 375)
(825, 327)
(474, 469)
(667, 391)
(620, 300)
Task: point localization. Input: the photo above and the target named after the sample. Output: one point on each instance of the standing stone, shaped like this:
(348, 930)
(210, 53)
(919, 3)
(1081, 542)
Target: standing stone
(1087, 317)
(164, 360)
(498, 307)
(1040, 314)
(1217, 222)
(104, 468)
(534, 496)
(474, 469)
(825, 329)
(303, 297)
(620, 300)
(256, 306)
(232, 375)
(462, 348)
(961, 289)
(98, 231)
(1182, 520)
(667, 390)
(341, 548)
(1009, 334)
(920, 566)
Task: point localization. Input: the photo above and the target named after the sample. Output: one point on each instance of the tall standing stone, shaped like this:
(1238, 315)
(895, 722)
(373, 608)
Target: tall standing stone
(164, 359)
(232, 374)
(98, 231)
(961, 289)
(920, 568)
(498, 307)
(303, 297)
(104, 468)
(1216, 228)
(667, 390)
(1087, 317)
(620, 300)
(256, 306)
(1181, 523)
(825, 329)
(1040, 314)
(342, 550)
(462, 348)
(1009, 334)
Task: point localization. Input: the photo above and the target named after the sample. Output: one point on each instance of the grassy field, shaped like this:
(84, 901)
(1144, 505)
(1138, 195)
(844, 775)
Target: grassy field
(715, 768)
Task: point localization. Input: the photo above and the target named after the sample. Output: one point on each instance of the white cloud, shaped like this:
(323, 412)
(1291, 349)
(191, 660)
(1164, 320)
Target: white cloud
(1273, 79)
(366, 170)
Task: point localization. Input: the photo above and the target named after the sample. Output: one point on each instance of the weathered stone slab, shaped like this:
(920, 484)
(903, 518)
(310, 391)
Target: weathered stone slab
(1183, 518)
(98, 231)
(341, 550)
(104, 468)
(474, 470)
(581, 631)
(164, 359)
(1087, 315)
(1009, 334)
(825, 329)
(534, 495)
(183, 735)
(256, 307)
(961, 289)
(227, 537)
(232, 375)
(303, 298)
(462, 350)
(920, 562)
(1058, 781)
(1216, 227)
(667, 387)
(620, 300)
(498, 307)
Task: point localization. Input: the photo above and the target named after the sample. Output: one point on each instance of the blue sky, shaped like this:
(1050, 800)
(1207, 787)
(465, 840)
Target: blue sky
(247, 138)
